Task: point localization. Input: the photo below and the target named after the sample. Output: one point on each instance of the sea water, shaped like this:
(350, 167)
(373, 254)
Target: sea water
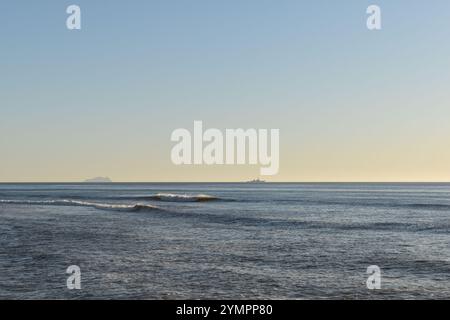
(236, 241)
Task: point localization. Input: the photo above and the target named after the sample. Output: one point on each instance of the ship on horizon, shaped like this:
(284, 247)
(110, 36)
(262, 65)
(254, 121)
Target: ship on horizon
(257, 180)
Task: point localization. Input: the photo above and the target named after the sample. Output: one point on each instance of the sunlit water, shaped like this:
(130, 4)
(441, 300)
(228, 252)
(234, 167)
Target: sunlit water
(239, 241)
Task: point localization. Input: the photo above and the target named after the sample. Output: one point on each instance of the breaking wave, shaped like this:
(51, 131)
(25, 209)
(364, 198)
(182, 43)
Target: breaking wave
(171, 197)
(74, 203)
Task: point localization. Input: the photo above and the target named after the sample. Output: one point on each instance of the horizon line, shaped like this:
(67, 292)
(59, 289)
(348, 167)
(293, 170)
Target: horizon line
(221, 182)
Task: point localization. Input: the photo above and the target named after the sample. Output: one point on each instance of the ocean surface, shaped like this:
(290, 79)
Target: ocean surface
(220, 241)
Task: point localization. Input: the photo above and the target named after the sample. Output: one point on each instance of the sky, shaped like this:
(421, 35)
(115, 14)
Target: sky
(351, 104)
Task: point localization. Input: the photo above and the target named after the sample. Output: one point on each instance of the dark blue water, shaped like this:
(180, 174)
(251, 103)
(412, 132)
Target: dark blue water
(239, 241)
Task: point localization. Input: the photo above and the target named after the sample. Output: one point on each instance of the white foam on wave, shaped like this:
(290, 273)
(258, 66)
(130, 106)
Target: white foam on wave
(100, 206)
(183, 197)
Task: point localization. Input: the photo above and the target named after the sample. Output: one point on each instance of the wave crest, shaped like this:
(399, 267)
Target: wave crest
(100, 206)
(172, 197)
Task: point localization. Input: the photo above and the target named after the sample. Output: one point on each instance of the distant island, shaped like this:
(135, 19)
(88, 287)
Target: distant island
(98, 180)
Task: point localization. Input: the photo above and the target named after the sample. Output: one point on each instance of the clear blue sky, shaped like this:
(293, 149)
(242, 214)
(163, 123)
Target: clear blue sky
(351, 104)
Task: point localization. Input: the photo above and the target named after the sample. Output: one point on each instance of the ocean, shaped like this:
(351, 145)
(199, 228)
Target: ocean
(225, 241)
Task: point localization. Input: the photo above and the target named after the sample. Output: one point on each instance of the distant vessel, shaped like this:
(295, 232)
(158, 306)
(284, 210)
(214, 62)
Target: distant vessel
(256, 181)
